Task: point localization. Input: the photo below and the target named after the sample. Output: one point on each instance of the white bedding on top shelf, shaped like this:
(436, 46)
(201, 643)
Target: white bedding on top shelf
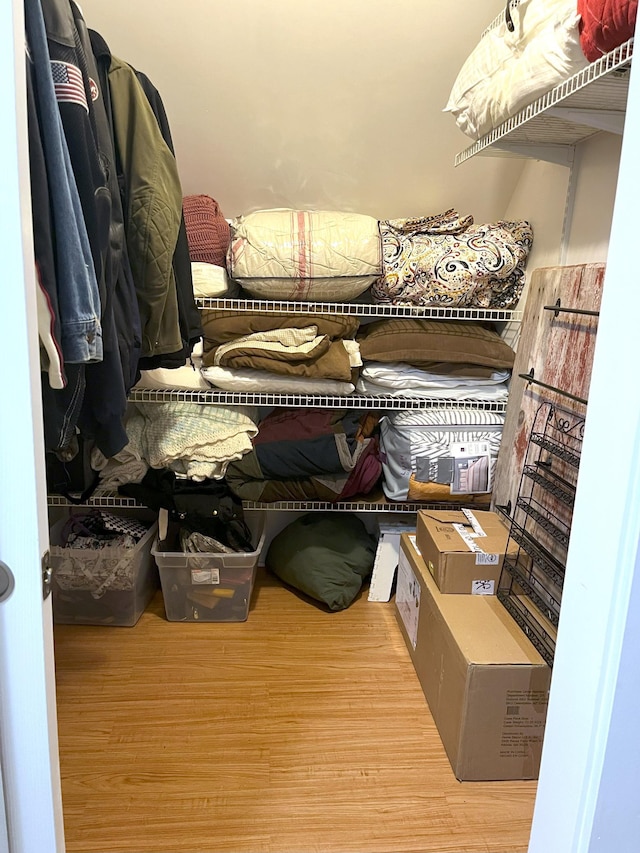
(509, 70)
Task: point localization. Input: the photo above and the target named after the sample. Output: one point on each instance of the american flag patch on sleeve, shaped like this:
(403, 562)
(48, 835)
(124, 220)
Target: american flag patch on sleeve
(68, 84)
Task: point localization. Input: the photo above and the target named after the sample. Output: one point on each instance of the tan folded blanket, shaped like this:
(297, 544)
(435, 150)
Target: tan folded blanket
(222, 326)
(286, 352)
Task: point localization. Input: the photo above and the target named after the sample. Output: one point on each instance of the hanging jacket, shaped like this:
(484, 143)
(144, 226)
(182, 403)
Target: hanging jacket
(126, 313)
(152, 208)
(75, 92)
(189, 315)
(106, 389)
(49, 330)
(78, 302)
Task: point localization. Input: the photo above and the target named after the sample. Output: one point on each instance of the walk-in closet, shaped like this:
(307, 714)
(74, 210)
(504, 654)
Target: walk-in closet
(295, 296)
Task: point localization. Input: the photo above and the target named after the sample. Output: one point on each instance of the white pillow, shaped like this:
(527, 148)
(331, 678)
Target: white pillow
(508, 70)
(187, 378)
(211, 281)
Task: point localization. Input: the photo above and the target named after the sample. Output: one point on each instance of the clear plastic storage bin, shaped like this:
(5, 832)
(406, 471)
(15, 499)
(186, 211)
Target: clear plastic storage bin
(110, 586)
(208, 587)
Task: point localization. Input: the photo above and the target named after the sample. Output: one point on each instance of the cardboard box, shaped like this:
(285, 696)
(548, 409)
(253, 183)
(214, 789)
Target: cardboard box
(486, 685)
(386, 559)
(446, 538)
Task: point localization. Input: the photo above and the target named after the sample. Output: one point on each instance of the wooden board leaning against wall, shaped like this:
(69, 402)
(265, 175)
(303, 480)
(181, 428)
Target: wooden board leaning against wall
(559, 348)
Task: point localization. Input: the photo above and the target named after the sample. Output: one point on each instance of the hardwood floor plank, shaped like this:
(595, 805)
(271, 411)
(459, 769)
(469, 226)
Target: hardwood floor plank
(297, 731)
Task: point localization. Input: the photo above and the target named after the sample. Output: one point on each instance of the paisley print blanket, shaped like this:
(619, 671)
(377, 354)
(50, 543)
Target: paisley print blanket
(448, 260)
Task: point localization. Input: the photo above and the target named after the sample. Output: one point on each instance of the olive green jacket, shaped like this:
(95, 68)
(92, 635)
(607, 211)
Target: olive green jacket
(152, 203)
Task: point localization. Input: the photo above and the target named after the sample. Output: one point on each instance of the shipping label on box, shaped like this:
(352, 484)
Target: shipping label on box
(408, 598)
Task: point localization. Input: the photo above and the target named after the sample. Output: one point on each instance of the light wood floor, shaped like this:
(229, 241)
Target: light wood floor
(298, 731)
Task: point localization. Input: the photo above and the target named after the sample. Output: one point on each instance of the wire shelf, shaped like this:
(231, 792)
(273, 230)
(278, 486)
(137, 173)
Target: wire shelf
(561, 451)
(347, 401)
(539, 637)
(99, 498)
(361, 505)
(538, 513)
(376, 503)
(361, 309)
(549, 564)
(552, 486)
(547, 604)
(600, 87)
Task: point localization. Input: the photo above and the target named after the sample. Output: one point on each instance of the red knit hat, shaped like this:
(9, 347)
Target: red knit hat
(208, 232)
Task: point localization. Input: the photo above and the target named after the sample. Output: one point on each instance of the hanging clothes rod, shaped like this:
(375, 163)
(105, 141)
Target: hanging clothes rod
(530, 378)
(557, 309)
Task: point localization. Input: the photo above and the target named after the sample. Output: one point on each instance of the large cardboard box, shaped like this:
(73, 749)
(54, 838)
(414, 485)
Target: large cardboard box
(486, 685)
(459, 560)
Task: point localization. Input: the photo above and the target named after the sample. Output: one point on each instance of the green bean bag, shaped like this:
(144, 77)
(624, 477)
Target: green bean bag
(326, 555)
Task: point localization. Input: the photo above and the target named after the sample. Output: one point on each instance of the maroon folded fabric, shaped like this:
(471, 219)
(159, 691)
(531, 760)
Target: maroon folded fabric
(605, 25)
(208, 232)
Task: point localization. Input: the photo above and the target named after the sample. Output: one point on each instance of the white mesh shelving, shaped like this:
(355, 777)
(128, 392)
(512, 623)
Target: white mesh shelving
(99, 498)
(347, 401)
(593, 99)
(355, 505)
(104, 500)
(363, 309)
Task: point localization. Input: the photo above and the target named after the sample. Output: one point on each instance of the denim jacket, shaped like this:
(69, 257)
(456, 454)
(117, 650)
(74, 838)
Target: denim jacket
(77, 287)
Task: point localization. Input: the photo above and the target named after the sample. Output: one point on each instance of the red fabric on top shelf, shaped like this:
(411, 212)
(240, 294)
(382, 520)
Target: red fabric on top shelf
(605, 25)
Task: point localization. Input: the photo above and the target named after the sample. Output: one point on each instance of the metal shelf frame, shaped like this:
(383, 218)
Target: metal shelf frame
(553, 487)
(540, 524)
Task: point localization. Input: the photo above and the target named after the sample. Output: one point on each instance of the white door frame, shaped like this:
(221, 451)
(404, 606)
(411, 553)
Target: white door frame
(580, 801)
(590, 775)
(28, 724)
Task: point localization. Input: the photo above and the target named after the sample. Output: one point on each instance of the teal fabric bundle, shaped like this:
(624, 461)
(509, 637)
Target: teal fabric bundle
(325, 555)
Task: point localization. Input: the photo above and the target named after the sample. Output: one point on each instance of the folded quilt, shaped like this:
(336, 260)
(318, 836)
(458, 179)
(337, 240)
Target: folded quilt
(193, 440)
(447, 260)
(280, 344)
(222, 326)
(326, 487)
(290, 352)
(263, 382)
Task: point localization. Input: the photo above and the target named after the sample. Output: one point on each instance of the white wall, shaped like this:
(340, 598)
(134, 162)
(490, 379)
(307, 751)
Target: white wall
(338, 105)
(541, 194)
(293, 103)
